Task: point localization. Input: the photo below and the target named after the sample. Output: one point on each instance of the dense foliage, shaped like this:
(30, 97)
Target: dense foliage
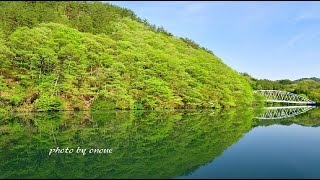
(307, 87)
(82, 55)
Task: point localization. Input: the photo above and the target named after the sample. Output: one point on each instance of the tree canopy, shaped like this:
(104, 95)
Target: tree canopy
(82, 55)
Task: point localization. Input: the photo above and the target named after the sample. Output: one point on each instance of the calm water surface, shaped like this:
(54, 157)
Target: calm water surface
(160, 144)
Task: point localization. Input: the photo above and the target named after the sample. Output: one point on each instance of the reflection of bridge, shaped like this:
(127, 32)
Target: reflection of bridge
(284, 97)
(284, 112)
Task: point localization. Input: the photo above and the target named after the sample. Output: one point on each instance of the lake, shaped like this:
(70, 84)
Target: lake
(160, 144)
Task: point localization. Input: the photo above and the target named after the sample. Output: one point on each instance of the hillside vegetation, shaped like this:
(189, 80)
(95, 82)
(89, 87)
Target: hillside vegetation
(93, 55)
(307, 87)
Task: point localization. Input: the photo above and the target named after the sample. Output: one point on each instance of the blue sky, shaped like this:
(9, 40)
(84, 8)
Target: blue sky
(268, 40)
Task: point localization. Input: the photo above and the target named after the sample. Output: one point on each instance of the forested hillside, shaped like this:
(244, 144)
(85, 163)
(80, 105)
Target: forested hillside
(313, 78)
(93, 55)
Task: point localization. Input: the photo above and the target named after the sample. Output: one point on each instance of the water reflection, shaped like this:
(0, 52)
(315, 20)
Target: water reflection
(146, 144)
(283, 112)
(310, 118)
(273, 149)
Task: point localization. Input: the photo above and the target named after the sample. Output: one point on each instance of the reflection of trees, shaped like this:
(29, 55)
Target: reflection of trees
(147, 144)
(310, 119)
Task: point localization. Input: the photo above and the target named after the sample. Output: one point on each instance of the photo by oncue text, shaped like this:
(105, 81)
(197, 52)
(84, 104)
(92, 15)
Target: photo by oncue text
(79, 150)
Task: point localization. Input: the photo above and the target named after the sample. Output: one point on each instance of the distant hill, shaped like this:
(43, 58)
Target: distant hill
(302, 79)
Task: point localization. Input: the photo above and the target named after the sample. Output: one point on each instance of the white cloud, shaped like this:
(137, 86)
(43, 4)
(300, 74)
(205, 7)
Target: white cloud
(308, 13)
(295, 39)
(307, 16)
(301, 38)
(194, 8)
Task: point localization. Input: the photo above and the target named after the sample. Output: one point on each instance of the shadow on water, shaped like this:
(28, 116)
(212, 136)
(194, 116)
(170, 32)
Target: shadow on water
(146, 144)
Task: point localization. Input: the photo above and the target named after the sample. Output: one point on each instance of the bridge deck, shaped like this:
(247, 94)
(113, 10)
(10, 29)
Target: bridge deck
(288, 107)
(293, 102)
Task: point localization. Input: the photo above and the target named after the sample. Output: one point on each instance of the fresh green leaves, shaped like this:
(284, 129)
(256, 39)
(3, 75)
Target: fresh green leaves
(48, 103)
(86, 51)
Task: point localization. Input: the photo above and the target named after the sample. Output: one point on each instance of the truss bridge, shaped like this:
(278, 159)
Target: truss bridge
(277, 96)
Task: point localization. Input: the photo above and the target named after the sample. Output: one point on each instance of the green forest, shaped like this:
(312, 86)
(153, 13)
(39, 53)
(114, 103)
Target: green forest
(93, 55)
(97, 56)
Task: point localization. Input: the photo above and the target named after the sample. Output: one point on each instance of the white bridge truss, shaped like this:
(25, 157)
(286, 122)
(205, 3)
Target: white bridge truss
(283, 97)
(284, 112)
